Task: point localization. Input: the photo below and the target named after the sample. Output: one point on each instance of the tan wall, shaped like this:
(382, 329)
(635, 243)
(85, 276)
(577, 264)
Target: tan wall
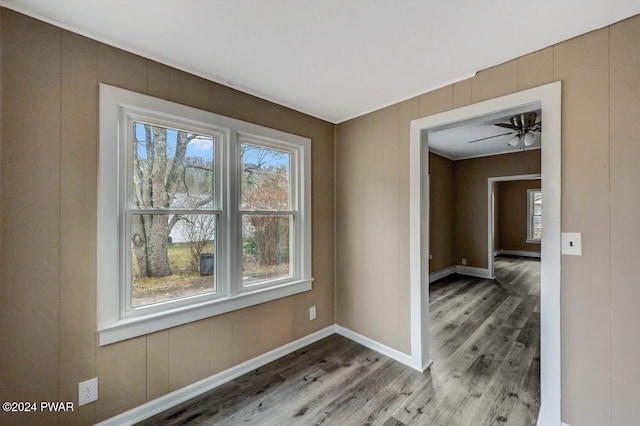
(48, 339)
(441, 207)
(511, 226)
(496, 216)
(470, 214)
(600, 72)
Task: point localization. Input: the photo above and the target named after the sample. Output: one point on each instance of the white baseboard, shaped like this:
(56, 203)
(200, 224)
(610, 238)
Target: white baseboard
(473, 272)
(521, 253)
(441, 273)
(379, 347)
(181, 395)
(497, 253)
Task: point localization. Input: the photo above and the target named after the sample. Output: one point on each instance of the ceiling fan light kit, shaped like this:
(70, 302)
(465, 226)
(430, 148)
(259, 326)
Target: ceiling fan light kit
(529, 138)
(524, 126)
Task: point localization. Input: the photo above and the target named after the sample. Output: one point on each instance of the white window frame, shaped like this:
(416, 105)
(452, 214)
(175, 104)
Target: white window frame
(530, 210)
(115, 322)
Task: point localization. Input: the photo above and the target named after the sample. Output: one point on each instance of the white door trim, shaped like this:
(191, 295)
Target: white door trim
(548, 98)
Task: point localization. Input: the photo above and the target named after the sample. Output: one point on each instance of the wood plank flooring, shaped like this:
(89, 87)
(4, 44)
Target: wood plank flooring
(486, 371)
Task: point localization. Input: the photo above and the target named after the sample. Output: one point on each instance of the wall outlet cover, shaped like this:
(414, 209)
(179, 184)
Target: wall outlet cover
(312, 313)
(88, 391)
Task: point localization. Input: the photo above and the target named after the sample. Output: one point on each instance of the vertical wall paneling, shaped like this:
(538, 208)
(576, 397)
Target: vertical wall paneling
(29, 302)
(462, 93)
(157, 364)
(389, 207)
(189, 352)
(409, 110)
(625, 227)
(78, 168)
(494, 82)
(583, 66)
(122, 370)
(441, 209)
(535, 69)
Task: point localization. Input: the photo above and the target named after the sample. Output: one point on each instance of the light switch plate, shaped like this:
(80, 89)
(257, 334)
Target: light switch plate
(572, 243)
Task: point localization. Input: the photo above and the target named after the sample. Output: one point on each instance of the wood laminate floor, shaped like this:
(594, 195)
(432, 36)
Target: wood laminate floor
(485, 338)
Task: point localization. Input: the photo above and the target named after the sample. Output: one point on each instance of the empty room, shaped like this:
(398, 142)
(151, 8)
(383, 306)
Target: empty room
(319, 212)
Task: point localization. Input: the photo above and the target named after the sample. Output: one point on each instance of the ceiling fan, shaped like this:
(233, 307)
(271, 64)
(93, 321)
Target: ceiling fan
(523, 126)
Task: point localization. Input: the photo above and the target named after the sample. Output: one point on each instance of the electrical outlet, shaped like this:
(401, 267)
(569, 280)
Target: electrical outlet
(312, 313)
(430, 257)
(88, 391)
(464, 262)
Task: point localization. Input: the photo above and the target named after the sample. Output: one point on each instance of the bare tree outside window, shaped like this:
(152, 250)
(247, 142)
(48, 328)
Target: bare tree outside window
(172, 171)
(266, 221)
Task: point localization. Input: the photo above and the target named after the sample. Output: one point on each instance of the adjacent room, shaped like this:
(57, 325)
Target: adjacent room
(319, 212)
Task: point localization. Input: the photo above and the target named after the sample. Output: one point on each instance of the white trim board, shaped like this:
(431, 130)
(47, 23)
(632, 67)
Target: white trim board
(181, 395)
(441, 273)
(381, 348)
(474, 272)
(521, 253)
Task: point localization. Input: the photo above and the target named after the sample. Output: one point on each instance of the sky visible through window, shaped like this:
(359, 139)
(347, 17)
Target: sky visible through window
(200, 147)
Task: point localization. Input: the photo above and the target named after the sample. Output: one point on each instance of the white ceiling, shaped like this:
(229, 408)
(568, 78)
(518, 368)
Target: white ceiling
(332, 59)
(452, 141)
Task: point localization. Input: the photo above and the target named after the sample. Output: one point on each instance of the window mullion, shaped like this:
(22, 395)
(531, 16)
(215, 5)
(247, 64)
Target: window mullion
(233, 217)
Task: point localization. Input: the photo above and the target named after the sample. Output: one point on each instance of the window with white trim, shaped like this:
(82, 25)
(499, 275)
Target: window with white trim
(534, 216)
(198, 214)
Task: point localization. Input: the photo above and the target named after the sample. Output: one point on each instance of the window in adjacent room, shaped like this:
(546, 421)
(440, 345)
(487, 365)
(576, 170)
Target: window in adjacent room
(198, 214)
(534, 216)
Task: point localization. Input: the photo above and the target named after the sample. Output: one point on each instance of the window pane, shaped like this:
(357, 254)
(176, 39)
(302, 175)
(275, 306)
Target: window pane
(266, 247)
(537, 203)
(172, 257)
(537, 227)
(172, 169)
(265, 178)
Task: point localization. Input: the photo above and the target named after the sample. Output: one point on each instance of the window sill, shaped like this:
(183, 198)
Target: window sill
(139, 326)
(533, 241)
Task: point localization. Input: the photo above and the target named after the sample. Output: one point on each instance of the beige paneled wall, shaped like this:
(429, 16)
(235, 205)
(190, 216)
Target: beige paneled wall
(371, 207)
(624, 110)
(441, 208)
(48, 171)
(601, 80)
(458, 207)
(583, 66)
(511, 205)
(470, 200)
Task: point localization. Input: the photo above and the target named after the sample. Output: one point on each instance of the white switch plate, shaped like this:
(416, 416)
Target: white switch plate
(87, 391)
(464, 262)
(572, 243)
(312, 313)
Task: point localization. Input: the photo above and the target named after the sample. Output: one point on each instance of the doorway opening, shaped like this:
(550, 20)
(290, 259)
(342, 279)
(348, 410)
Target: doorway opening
(548, 100)
(522, 243)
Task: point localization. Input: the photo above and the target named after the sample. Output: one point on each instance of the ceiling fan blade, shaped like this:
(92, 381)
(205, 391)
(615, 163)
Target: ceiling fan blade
(490, 137)
(536, 127)
(506, 126)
